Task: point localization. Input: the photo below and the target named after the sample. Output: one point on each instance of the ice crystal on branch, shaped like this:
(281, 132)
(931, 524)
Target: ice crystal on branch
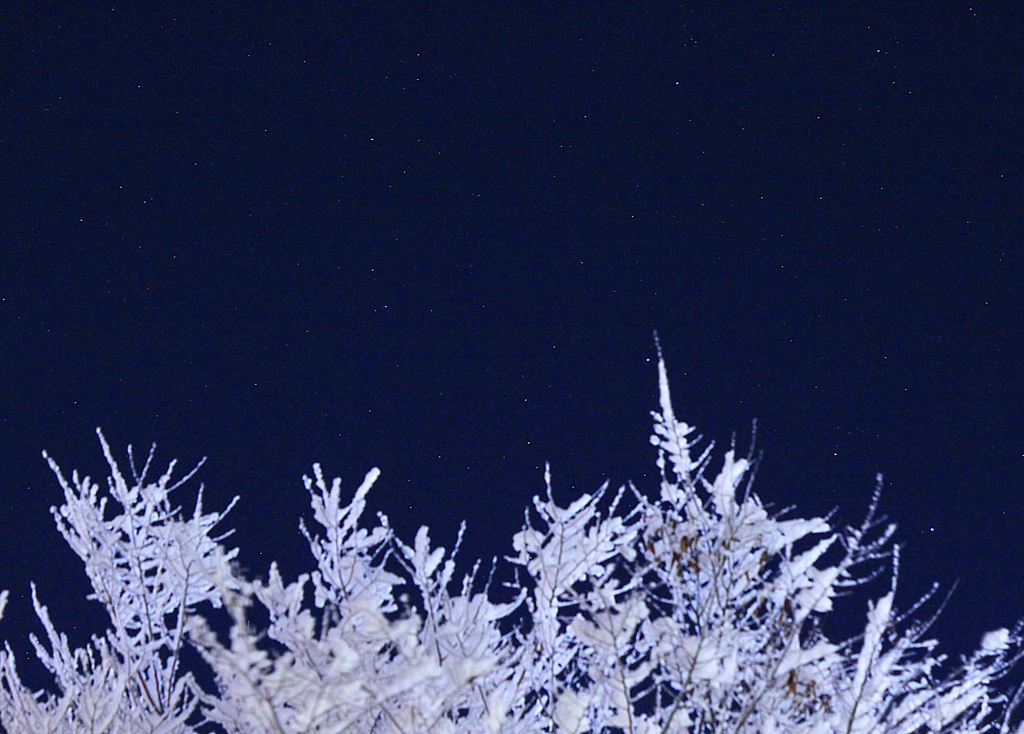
(691, 610)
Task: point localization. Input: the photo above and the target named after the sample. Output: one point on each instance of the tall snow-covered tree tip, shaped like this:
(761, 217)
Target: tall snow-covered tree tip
(670, 435)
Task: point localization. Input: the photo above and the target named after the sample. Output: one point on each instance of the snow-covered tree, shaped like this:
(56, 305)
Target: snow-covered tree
(684, 608)
(149, 566)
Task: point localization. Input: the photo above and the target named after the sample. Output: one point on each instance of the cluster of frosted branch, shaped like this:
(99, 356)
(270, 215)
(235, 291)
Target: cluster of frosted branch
(149, 567)
(693, 612)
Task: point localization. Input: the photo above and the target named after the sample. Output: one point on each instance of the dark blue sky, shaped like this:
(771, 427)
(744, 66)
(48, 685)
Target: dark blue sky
(438, 239)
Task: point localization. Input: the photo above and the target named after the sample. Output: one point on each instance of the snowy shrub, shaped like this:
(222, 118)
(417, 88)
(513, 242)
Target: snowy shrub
(691, 609)
(149, 567)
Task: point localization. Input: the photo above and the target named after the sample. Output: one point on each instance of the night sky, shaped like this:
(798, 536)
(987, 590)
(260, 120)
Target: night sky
(437, 238)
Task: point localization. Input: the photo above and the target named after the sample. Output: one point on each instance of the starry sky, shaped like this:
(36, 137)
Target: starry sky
(437, 238)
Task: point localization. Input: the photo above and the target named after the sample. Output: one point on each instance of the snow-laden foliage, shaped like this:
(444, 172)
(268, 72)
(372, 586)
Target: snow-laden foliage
(149, 566)
(689, 608)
